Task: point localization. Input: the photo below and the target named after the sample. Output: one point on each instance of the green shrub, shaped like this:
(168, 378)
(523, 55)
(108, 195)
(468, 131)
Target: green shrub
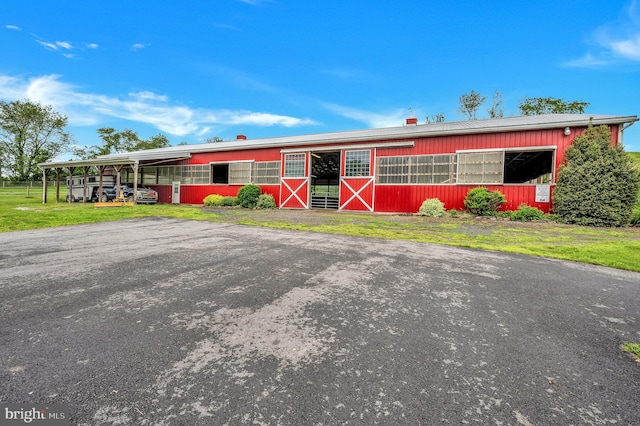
(229, 201)
(266, 201)
(597, 185)
(432, 207)
(526, 213)
(482, 202)
(248, 196)
(212, 200)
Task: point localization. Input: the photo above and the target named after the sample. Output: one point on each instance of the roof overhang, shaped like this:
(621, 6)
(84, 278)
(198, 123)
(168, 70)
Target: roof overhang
(346, 138)
(115, 161)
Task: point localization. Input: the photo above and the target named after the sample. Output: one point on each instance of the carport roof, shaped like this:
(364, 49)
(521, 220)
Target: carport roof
(495, 125)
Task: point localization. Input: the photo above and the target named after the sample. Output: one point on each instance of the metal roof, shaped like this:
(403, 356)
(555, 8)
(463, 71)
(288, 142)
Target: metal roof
(495, 125)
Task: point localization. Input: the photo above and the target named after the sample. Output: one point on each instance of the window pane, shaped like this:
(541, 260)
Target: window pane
(357, 163)
(480, 167)
(266, 172)
(239, 173)
(165, 175)
(393, 170)
(148, 175)
(294, 165)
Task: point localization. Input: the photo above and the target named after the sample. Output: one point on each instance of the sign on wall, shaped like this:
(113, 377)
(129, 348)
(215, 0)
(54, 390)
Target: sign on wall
(543, 193)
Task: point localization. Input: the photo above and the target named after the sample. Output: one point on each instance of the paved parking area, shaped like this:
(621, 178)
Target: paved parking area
(165, 321)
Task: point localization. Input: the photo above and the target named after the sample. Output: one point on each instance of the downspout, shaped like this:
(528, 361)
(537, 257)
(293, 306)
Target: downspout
(624, 127)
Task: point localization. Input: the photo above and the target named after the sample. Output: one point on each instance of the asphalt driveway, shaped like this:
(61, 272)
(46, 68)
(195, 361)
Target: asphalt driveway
(165, 321)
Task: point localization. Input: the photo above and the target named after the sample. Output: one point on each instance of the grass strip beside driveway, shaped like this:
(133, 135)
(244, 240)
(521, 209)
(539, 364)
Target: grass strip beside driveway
(613, 247)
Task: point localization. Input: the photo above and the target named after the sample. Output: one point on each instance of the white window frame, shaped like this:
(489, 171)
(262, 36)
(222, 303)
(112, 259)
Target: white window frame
(292, 163)
(358, 171)
(229, 171)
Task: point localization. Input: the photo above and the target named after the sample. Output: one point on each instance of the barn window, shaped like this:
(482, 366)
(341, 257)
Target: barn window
(236, 173)
(480, 167)
(294, 165)
(149, 175)
(220, 173)
(417, 169)
(165, 175)
(240, 173)
(533, 167)
(392, 170)
(357, 163)
(266, 172)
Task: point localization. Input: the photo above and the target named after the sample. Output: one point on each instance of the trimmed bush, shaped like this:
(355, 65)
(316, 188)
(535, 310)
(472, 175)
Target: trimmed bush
(266, 201)
(431, 207)
(229, 201)
(482, 202)
(597, 185)
(212, 200)
(526, 213)
(248, 196)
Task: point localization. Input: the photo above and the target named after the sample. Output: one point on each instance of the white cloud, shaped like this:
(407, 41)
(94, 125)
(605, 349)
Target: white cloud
(51, 46)
(13, 27)
(137, 46)
(255, 2)
(141, 96)
(615, 41)
(143, 107)
(589, 61)
(92, 46)
(629, 48)
(372, 119)
(64, 45)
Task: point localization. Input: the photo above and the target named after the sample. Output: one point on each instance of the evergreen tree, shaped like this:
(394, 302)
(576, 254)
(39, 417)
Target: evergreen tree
(597, 185)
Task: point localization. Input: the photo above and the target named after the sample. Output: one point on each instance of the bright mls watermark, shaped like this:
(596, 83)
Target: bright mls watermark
(35, 414)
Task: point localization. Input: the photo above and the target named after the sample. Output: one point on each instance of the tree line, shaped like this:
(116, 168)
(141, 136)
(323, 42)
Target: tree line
(470, 103)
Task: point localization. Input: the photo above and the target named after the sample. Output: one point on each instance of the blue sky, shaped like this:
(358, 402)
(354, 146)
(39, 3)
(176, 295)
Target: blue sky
(198, 69)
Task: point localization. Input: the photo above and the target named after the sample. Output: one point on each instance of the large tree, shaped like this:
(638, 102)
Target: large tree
(469, 104)
(114, 142)
(597, 185)
(30, 133)
(538, 106)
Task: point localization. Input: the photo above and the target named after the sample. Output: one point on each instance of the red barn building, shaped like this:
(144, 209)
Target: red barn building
(379, 170)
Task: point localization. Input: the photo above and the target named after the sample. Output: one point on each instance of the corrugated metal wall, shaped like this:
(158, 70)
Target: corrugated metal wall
(403, 198)
(408, 198)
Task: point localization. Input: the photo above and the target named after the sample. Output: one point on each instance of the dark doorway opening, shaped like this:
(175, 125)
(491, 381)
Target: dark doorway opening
(528, 167)
(325, 180)
(220, 173)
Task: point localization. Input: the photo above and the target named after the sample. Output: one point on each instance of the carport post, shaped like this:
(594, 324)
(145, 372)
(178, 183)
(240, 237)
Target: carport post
(58, 170)
(45, 184)
(85, 174)
(134, 166)
(101, 170)
(70, 184)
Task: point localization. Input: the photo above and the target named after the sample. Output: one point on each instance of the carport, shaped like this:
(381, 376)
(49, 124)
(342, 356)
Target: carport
(103, 163)
(85, 165)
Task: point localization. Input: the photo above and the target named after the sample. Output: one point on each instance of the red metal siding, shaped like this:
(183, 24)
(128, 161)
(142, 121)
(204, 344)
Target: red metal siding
(399, 198)
(408, 198)
(266, 154)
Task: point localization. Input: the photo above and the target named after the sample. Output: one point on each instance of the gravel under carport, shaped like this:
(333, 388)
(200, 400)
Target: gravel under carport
(166, 321)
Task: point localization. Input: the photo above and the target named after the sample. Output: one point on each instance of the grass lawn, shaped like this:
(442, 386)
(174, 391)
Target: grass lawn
(613, 247)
